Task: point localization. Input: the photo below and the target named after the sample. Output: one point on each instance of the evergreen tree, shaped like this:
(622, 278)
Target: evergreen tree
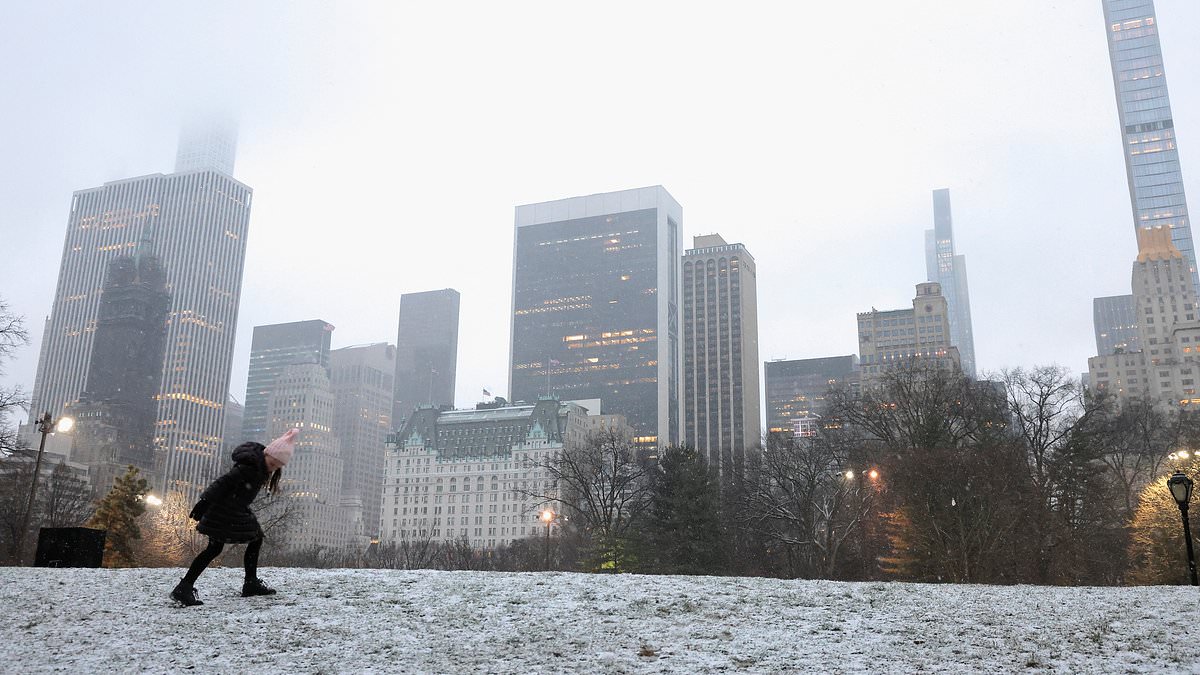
(118, 513)
(683, 532)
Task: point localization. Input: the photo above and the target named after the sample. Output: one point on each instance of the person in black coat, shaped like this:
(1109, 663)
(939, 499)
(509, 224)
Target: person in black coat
(225, 516)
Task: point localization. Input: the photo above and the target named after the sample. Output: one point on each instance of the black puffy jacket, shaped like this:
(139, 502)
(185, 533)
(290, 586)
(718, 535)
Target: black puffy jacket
(224, 508)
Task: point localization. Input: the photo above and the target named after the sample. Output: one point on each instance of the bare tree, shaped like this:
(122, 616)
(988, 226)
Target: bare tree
(806, 495)
(12, 399)
(604, 487)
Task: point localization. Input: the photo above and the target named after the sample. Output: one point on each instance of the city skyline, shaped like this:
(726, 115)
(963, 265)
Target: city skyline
(1011, 209)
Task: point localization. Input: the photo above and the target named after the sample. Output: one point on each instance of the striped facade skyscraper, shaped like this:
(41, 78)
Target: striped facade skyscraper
(1147, 126)
(195, 222)
(949, 269)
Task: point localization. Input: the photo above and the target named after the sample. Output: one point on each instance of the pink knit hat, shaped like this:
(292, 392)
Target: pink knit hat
(281, 448)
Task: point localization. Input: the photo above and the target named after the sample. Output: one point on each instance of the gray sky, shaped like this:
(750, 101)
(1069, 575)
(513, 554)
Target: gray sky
(387, 144)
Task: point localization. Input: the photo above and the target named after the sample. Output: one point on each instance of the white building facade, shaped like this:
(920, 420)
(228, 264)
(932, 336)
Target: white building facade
(467, 474)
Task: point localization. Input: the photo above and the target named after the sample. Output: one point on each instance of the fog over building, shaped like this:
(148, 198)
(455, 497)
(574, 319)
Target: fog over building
(949, 269)
(720, 352)
(1147, 126)
(362, 384)
(596, 306)
(272, 348)
(895, 338)
(426, 351)
(195, 223)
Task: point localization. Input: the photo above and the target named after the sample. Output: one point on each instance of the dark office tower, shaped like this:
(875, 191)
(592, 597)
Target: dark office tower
(720, 352)
(1115, 321)
(195, 222)
(1147, 127)
(426, 352)
(272, 348)
(363, 390)
(950, 270)
(115, 415)
(596, 306)
(797, 391)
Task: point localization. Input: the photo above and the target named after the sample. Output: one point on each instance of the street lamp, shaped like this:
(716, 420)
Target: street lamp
(1181, 490)
(153, 500)
(46, 425)
(547, 517)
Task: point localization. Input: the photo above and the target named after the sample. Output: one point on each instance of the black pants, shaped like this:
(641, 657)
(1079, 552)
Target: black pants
(250, 561)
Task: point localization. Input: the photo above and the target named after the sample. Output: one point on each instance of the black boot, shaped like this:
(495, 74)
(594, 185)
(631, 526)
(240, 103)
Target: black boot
(255, 586)
(185, 594)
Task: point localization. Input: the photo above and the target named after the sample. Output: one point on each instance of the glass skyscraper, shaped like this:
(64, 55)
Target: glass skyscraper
(950, 270)
(595, 311)
(1147, 128)
(273, 348)
(194, 222)
(426, 352)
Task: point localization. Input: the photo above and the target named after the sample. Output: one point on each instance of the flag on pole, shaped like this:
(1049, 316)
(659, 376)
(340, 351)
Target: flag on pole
(486, 392)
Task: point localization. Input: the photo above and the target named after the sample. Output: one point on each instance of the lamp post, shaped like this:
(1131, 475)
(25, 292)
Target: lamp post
(46, 425)
(547, 517)
(1181, 490)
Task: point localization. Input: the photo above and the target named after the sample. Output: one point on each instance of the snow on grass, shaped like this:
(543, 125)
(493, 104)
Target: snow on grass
(449, 622)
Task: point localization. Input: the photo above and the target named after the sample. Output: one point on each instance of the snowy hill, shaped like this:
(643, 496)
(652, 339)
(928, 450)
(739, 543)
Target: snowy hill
(448, 622)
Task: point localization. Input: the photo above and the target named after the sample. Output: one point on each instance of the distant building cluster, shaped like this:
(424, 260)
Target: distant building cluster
(615, 326)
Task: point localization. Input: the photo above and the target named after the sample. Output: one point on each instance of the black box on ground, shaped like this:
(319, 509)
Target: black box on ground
(70, 547)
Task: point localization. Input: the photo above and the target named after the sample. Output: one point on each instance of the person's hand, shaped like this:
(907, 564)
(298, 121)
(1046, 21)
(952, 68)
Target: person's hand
(199, 509)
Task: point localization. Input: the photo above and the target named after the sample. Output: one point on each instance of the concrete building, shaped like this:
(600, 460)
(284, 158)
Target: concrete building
(1115, 321)
(116, 413)
(1167, 367)
(195, 222)
(301, 396)
(798, 390)
(720, 352)
(596, 306)
(426, 352)
(272, 348)
(903, 337)
(459, 474)
(949, 270)
(363, 391)
(1147, 125)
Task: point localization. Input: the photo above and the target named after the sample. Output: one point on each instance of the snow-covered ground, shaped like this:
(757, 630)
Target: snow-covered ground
(449, 622)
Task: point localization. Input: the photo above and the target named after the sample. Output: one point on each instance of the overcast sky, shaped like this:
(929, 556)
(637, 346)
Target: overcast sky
(387, 144)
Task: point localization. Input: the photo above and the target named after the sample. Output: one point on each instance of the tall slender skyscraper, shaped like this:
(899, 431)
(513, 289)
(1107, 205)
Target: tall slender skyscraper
(950, 271)
(272, 348)
(363, 394)
(596, 306)
(720, 352)
(1147, 127)
(195, 222)
(426, 351)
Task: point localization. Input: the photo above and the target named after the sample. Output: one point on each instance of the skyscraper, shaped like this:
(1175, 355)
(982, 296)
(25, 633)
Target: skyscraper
(950, 271)
(797, 389)
(888, 339)
(1147, 127)
(362, 419)
(116, 412)
(300, 396)
(426, 351)
(596, 306)
(272, 348)
(195, 222)
(1116, 325)
(1168, 365)
(720, 351)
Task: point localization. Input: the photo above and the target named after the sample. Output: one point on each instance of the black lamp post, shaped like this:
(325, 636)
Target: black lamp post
(548, 517)
(1181, 490)
(46, 425)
